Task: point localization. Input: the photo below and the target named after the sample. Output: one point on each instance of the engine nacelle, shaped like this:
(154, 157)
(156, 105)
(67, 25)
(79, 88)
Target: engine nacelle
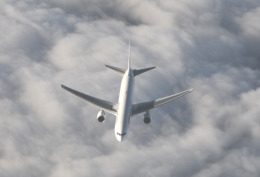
(147, 117)
(101, 116)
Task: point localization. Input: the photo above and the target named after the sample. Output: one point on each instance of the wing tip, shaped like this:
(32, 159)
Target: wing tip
(64, 87)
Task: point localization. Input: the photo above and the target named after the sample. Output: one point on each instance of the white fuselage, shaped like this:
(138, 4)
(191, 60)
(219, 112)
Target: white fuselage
(124, 105)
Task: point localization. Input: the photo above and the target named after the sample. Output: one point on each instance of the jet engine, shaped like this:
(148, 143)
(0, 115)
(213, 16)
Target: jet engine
(101, 116)
(147, 117)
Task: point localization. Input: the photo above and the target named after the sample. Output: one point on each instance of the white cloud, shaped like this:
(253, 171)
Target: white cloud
(249, 22)
(209, 45)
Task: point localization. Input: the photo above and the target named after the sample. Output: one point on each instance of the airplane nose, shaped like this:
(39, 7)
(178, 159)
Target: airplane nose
(120, 137)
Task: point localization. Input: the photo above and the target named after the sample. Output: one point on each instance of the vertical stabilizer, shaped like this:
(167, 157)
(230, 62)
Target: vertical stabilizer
(129, 55)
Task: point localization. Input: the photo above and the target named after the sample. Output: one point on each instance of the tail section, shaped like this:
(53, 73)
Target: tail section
(140, 71)
(129, 55)
(122, 71)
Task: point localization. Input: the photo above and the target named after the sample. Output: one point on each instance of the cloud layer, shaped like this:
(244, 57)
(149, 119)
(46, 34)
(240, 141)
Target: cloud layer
(211, 45)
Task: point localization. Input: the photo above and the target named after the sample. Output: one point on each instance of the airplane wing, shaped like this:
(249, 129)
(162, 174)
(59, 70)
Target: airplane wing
(145, 106)
(108, 106)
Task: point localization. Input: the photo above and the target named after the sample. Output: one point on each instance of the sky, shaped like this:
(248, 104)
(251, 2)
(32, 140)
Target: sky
(209, 45)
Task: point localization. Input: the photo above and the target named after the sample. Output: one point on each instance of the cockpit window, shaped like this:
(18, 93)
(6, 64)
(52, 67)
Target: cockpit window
(121, 134)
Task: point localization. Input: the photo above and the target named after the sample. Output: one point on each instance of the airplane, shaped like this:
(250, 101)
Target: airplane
(124, 109)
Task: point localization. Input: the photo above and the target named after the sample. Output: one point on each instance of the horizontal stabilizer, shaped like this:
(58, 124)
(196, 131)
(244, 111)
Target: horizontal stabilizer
(116, 69)
(140, 71)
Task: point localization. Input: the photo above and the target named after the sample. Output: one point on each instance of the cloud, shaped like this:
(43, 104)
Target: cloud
(207, 44)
